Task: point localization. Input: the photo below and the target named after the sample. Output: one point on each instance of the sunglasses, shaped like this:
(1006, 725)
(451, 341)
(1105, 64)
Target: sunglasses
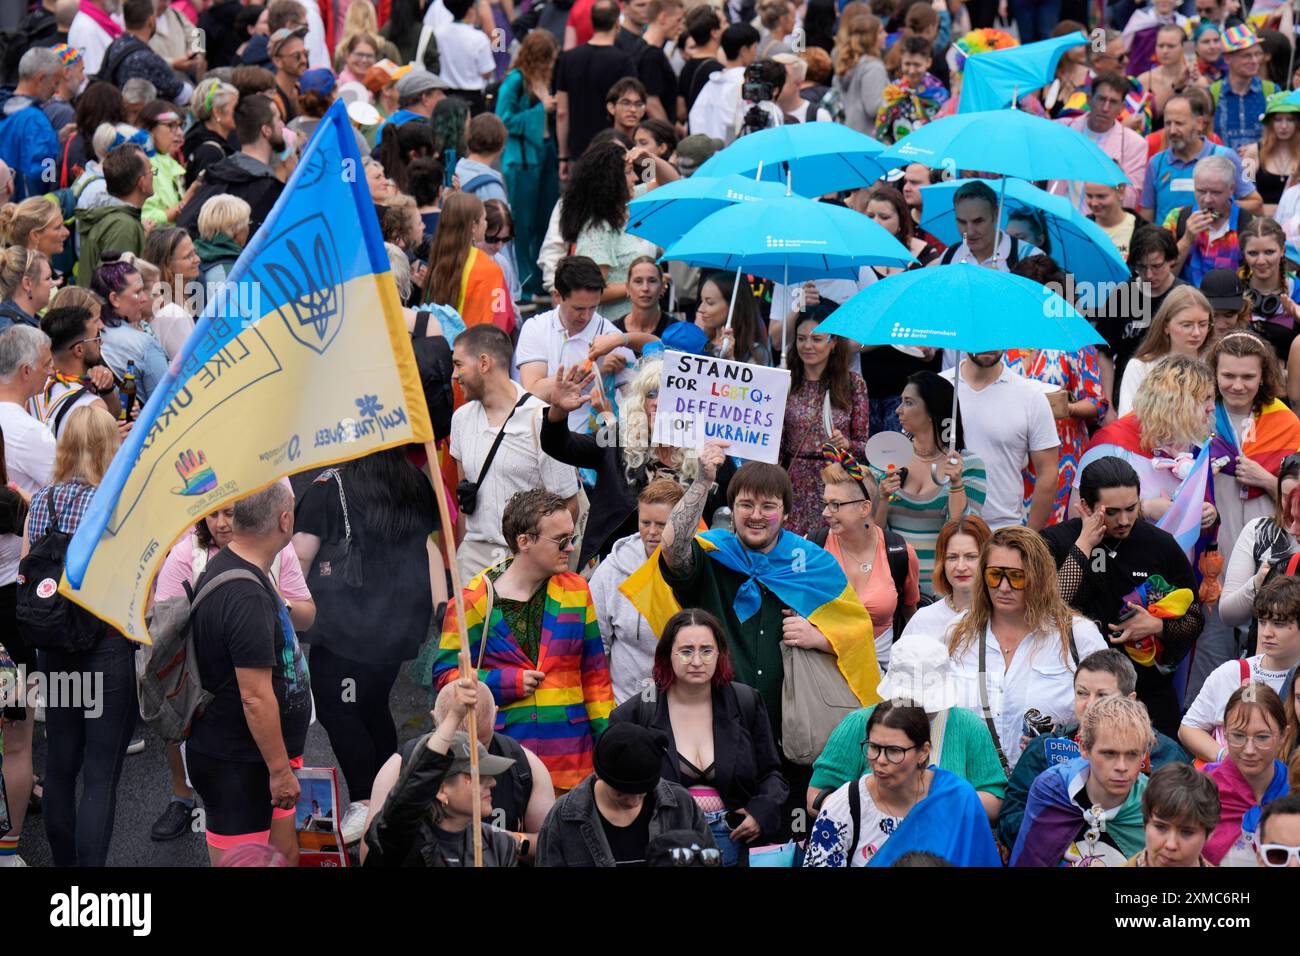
(685, 856)
(1278, 854)
(497, 239)
(994, 577)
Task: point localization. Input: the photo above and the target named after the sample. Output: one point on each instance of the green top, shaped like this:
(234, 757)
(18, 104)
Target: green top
(967, 751)
(168, 178)
(755, 644)
(523, 618)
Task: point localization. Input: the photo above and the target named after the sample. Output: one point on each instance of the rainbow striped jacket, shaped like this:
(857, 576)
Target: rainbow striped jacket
(562, 718)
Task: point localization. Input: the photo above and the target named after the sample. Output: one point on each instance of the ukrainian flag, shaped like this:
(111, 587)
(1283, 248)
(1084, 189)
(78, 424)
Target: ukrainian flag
(302, 359)
(803, 576)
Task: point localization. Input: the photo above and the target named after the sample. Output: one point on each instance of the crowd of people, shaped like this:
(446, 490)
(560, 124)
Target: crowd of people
(681, 658)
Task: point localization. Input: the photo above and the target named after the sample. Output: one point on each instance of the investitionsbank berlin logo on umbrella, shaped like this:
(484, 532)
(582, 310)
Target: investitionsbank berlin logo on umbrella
(773, 242)
(901, 331)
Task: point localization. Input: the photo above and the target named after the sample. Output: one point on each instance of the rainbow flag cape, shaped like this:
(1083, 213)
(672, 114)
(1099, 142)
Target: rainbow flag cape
(1162, 600)
(1273, 434)
(301, 359)
(1053, 818)
(802, 575)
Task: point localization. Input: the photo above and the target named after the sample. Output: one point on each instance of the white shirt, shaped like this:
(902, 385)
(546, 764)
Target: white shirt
(520, 463)
(172, 326)
(837, 290)
(714, 112)
(1037, 677)
(544, 339)
(998, 260)
(1135, 373)
(37, 407)
(29, 448)
(438, 16)
(465, 54)
(1206, 712)
(318, 55)
(1004, 422)
(91, 39)
(934, 620)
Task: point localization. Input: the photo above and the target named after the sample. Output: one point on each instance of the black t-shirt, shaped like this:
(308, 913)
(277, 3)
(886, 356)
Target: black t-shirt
(243, 624)
(886, 369)
(586, 73)
(1124, 321)
(628, 844)
(656, 73)
(665, 320)
(387, 618)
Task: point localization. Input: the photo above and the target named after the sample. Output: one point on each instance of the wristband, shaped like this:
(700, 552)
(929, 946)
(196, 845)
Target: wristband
(952, 489)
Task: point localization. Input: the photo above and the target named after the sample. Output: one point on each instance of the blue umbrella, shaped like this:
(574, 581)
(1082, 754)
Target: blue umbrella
(962, 307)
(1009, 142)
(814, 158)
(791, 238)
(1078, 244)
(666, 214)
(991, 80)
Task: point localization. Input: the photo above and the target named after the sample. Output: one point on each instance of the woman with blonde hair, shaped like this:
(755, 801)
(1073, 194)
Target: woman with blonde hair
(207, 142)
(26, 281)
(361, 20)
(89, 743)
(530, 162)
(462, 276)
(860, 75)
(1183, 325)
(224, 224)
(623, 455)
(36, 222)
(1018, 646)
(1172, 418)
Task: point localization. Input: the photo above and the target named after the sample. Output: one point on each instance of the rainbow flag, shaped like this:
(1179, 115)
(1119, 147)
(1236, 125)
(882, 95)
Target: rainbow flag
(801, 574)
(1273, 433)
(302, 359)
(1162, 600)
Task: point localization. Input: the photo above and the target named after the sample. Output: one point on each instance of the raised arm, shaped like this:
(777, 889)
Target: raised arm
(685, 517)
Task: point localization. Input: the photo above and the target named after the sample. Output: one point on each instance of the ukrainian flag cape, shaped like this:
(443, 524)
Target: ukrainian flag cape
(802, 575)
(301, 359)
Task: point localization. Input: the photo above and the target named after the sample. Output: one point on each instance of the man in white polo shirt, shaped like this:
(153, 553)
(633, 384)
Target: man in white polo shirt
(1008, 422)
(563, 336)
(975, 205)
(25, 365)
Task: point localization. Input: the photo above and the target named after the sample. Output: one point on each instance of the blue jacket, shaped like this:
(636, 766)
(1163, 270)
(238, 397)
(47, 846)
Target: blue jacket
(29, 144)
(525, 120)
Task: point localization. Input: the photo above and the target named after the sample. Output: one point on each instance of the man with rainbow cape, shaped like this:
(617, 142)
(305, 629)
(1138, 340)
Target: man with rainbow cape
(767, 585)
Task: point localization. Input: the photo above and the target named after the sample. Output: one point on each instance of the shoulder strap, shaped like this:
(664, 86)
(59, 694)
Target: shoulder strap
(1014, 255)
(896, 550)
(65, 404)
(985, 710)
(1293, 563)
(1244, 665)
(478, 182)
(421, 325)
(855, 815)
(1074, 648)
(49, 509)
(501, 433)
(225, 577)
(948, 254)
(819, 537)
(343, 502)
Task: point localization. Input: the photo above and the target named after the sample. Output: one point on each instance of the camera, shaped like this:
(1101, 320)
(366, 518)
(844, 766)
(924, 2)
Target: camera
(759, 86)
(1266, 305)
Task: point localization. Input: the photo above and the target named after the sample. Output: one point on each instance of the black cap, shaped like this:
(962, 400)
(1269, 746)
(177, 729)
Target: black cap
(629, 757)
(1223, 288)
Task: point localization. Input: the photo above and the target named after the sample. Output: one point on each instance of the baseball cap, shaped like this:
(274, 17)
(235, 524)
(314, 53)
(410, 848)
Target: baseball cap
(282, 36)
(317, 81)
(1223, 288)
(419, 81)
(488, 765)
(695, 149)
(1282, 101)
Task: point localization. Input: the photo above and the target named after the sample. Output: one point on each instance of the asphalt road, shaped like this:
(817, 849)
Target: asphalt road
(143, 791)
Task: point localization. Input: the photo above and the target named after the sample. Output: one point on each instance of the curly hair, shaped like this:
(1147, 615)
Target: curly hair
(1243, 344)
(1170, 406)
(596, 193)
(858, 37)
(1045, 609)
(635, 431)
(536, 57)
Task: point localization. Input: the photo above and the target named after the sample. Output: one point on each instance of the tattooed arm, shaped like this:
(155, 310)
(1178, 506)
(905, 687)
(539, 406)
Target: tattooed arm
(685, 518)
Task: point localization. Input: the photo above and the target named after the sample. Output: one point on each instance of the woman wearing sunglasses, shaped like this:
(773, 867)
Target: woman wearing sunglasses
(720, 744)
(1018, 646)
(1251, 775)
(903, 804)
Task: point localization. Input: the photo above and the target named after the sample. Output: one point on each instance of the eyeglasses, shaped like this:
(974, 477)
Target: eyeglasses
(1279, 854)
(639, 104)
(891, 754)
(563, 544)
(1238, 739)
(834, 506)
(685, 856)
(768, 508)
(994, 577)
(688, 654)
(97, 338)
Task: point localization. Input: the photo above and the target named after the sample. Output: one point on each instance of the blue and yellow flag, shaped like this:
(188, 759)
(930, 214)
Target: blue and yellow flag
(302, 359)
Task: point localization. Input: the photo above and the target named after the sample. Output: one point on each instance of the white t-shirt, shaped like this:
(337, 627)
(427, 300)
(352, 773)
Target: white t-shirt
(1206, 712)
(29, 448)
(544, 339)
(519, 465)
(39, 408)
(1004, 422)
(91, 39)
(1039, 677)
(465, 54)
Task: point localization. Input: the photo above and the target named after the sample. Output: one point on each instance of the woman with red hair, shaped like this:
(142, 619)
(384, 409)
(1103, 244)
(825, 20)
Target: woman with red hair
(720, 744)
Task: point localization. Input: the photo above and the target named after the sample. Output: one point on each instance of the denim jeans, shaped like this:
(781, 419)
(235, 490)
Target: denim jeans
(733, 853)
(89, 739)
(1036, 18)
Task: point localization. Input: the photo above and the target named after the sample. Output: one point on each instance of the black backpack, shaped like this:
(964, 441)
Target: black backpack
(31, 32)
(46, 619)
(433, 362)
(896, 552)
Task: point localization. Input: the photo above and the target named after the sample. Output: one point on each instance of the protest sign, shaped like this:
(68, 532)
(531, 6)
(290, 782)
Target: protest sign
(704, 399)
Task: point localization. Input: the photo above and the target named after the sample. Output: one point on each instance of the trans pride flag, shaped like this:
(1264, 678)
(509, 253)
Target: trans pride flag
(303, 359)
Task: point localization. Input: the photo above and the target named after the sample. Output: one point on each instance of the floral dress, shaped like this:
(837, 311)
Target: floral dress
(1079, 375)
(801, 445)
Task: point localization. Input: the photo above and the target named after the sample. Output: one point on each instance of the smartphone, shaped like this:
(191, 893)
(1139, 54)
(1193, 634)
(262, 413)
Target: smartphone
(734, 818)
(448, 167)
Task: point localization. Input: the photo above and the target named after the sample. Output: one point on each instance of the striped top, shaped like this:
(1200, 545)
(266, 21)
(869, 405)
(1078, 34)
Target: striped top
(920, 519)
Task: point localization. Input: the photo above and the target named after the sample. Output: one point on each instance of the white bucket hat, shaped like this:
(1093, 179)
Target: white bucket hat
(920, 674)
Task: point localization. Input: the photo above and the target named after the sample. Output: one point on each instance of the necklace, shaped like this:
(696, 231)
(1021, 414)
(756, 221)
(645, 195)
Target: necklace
(863, 566)
(935, 457)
